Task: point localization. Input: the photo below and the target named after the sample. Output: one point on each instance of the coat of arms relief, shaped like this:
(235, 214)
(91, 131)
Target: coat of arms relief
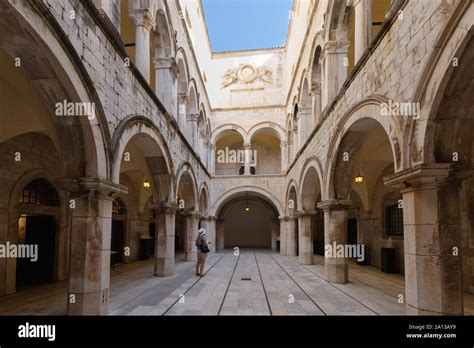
(247, 74)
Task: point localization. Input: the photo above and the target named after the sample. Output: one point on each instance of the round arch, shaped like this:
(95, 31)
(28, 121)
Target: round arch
(185, 173)
(370, 109)
(242, 190)
(273, 127)
(217, 132)
(291, 190)
(311, 175)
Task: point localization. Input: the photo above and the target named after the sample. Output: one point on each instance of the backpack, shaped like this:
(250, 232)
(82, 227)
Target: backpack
(200, 245)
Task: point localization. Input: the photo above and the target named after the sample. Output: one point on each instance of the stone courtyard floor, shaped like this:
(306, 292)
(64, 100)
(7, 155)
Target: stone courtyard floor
(257, 282)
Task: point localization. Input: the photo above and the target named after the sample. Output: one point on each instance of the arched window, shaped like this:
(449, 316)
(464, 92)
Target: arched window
(40, 192)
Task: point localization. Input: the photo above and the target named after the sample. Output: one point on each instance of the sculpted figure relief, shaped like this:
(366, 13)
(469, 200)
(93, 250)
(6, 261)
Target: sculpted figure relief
(246, 74)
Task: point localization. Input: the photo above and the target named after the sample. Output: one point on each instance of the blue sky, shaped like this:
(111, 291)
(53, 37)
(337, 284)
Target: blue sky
(246, 24)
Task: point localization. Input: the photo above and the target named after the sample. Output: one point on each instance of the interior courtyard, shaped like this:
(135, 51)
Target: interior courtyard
(122, 134)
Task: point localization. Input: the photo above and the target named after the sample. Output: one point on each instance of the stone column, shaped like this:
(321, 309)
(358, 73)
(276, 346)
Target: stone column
(192, 223)
(275, 228)
(315, 93)
(334, 56)
(144, 22)
(166, 73)
(363, 26)
(91, 228)
(212, 160)
(305, 237)
(220, 234)
(182, 105)
(192, 130)
(291, 236)
(304, 125)
(283, 235)
(335, 233)
(165, 239)
(284, 156)
(211, 233)
(431, 218)
(248, 159)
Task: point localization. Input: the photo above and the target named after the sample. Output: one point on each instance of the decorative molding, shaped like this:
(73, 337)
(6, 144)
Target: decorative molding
(247, 74)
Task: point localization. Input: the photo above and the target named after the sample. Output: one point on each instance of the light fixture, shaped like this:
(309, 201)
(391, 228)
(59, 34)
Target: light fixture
(146, 184)
(358, 179)
(247, 208)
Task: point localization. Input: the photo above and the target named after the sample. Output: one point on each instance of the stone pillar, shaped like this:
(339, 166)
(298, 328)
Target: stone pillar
(192, 223)
(182, 105)
(304, 125)
(334, 69)
(212, 160)
(166, 73)
(335, 233)
(291, 236)
(248, 158)
(144, 22)
(91, 228)
(220, 234)
(305, 237)
(363, 26)
(192, 130)
(283, 235)
(431, 218)
(284, 157)
(275, 228)
(211, 233)
(316, 101)
(164, 239)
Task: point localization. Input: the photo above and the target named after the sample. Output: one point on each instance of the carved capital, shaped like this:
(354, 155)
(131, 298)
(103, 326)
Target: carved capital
(142, 18)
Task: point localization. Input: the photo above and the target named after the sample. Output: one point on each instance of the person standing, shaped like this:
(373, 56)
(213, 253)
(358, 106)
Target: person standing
(202, 249)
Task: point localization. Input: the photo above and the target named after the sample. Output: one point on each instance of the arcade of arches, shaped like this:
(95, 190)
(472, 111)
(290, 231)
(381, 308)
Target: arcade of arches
(359, 134)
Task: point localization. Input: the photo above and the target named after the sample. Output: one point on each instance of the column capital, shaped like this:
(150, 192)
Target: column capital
(142, 17)
(303, 213)
(247, 146)
(192, 214)
(212, 218)
(335, 47)
(192, 117)
(283, 144)
(183, 98)
(421, 176)
(315, 89)
(93, 186)
(334, 204)
(166, 63)
(166, 207)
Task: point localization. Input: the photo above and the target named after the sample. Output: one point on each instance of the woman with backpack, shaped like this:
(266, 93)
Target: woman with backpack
(202, 249)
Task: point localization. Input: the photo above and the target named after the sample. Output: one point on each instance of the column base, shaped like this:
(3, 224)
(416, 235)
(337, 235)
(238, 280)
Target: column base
(191, 256)
(305, 258)
(164, 267)
(337, 271)
(92, 303)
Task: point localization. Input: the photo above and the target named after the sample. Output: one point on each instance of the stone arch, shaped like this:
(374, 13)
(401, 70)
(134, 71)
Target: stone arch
(219, 131)
(276, 129)
(337, 21)
(181, 57)
(292, 193)
(258, 191)
(62, 70)
(185, 175)
(204, 200)
(311, 177)
(452, 42)
(304, 100)
(370, 110)
(164, 42)
(128, 129)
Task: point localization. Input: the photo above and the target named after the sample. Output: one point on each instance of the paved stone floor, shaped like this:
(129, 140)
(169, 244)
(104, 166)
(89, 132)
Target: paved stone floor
(254, 283)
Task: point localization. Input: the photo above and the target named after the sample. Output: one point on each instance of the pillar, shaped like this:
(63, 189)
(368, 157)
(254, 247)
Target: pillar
(192, 130)
(305, 237)
(334, 69)
(363, 26)
(291, 236)
(166, 73)
(144, 22)
(431, 218)
(275, 229)
(220, 234)
(284, 156)
(335, 234)
(283, 235)
(211, 233)
(304, 125)
(315, 93)
(182, 105)
(192, 223)
(165, 239)
(91, 229)
(212, 160)
(248, 158)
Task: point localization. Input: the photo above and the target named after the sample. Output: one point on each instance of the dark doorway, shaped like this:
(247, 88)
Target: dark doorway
(41, 231)
(352, 231)
(116, 246)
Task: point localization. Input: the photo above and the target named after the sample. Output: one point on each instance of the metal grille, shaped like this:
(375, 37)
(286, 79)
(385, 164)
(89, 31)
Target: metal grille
(40, 192)
(394, 220)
